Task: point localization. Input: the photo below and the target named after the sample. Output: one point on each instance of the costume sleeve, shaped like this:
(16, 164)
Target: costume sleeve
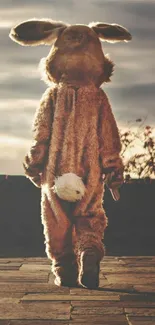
(109, 139)
(36, 158)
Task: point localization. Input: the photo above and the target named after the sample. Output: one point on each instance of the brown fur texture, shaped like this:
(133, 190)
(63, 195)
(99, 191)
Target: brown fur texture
(84, 139)
(74, 131)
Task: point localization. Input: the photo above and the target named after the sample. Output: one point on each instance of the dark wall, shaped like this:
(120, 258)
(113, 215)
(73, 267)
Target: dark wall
(20, 224)
(131, 229)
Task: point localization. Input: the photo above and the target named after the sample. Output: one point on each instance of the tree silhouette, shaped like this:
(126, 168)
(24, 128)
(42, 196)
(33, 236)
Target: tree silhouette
(138, 152)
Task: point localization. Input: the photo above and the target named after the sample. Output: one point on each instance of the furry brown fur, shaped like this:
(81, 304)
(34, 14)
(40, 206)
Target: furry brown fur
(74, 131)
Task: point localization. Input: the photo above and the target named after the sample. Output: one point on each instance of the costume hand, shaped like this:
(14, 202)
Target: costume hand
(114, 180)
(35, 159)
(36, 180)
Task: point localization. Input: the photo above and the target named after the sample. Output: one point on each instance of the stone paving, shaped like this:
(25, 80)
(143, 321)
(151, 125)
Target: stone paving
(126, 295)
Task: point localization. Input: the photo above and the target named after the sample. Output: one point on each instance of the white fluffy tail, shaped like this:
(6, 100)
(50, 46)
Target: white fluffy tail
(69, 187)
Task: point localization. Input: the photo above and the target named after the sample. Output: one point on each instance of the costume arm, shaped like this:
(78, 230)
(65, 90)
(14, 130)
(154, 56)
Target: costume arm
(110, 144)
(36, 158)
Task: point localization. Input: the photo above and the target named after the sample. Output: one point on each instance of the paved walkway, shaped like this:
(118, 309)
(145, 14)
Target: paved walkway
(126, 295)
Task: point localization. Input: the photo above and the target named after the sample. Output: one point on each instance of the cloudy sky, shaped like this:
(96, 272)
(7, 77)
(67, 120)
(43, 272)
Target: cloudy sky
(131, 92)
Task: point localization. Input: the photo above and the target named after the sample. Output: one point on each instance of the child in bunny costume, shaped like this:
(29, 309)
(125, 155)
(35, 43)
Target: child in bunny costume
(76, 141)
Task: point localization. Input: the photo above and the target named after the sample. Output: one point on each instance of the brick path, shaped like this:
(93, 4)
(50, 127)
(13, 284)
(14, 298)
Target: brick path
(126, 295)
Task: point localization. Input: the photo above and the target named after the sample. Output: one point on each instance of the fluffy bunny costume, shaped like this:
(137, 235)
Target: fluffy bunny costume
(75, 135)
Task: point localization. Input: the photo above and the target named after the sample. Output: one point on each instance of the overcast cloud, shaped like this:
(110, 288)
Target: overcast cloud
(131, 92)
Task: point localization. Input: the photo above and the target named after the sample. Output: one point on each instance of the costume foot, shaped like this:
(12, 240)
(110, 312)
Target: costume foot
(66, 272)
(65, 282)
(89, 269)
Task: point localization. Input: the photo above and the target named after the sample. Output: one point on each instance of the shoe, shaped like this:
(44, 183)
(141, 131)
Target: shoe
(89, 269)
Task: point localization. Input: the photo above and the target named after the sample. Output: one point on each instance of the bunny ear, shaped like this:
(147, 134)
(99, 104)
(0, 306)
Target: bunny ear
(111, 32)
(36, 32)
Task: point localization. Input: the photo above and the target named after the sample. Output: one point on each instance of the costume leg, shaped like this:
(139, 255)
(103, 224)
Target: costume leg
(89, 248)
(58, 241)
